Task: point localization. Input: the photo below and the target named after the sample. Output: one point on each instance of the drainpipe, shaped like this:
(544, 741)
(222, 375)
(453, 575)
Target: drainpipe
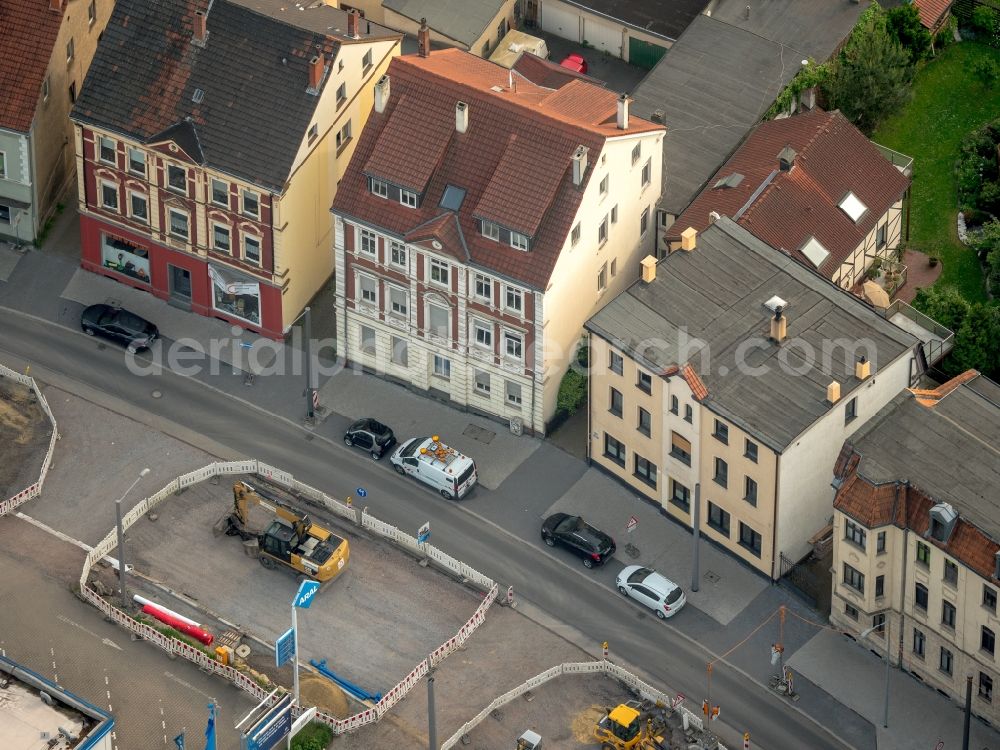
(775, 562)
(902, 588)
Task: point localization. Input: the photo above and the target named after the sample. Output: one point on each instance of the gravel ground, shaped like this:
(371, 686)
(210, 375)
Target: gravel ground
(24, 437)
(372, 624)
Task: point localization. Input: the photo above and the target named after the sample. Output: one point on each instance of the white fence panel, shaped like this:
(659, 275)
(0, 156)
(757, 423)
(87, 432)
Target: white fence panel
(225, 468)
(35, 489)
(276, 475)
(14, 375)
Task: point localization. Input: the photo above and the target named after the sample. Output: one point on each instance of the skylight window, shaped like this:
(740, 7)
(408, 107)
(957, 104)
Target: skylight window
(729, 181)
(452, 198)
(853, 207)
(815, 252)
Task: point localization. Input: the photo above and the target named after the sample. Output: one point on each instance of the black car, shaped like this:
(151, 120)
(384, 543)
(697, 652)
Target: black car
(118, 325)
(593, 546)
(370, 435)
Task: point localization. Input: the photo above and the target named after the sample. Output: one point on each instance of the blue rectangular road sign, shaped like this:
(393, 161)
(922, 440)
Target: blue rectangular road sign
(305, 594)
(273, 728)
(284, 647)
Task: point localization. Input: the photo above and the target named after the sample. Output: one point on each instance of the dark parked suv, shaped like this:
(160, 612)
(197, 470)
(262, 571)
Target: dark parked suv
(370, 435)
(594, 547)
(118, 325)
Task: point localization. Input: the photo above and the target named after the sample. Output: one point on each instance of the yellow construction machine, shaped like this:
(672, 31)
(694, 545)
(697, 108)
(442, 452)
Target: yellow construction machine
(623, 728)
(288, 537)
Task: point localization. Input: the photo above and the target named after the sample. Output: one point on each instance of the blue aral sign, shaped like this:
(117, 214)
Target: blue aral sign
(284, 647)
(306, 593)
(424, 533)
(272, 729)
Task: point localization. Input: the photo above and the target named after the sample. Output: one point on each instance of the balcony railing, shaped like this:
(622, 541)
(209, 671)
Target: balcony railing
(902, 162)
(938, 340)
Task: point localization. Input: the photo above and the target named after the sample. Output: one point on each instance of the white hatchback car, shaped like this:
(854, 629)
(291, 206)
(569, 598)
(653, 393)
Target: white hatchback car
(648, 587)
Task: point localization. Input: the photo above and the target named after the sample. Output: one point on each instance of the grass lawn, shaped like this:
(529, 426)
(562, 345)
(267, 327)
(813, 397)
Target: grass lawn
(948, 103)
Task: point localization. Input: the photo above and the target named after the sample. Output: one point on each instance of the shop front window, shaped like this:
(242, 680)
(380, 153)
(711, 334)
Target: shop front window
(125, 257)
(236, 294)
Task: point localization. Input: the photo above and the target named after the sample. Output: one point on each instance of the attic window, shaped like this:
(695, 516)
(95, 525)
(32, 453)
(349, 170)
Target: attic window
(491, 230)
(452, 198)
(943, 518)
(815, 252)
(853, 207)
(198, 96)
(730, 181)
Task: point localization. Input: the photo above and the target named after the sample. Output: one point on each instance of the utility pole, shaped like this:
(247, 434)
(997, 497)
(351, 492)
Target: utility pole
(695, 532)
(121, 536)
(431, 720)
(310, 390)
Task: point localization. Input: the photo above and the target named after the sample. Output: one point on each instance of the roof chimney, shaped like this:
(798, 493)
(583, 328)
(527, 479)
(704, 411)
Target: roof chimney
(579, 164)
(807, 99)
(623, 112)
(648, 269)
(658, 115)
(689, 238)
(315, 73)
(862, 368)
(56, 5)
(200, 28)
(713, 216)
(779, 326)
(833, 392)
(381, 94)
(424, 39)
(461, 117)
(352, 23)
(786, 159)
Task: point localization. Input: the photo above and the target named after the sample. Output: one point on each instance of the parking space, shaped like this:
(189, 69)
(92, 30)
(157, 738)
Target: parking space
(617, 74)
(372, 624)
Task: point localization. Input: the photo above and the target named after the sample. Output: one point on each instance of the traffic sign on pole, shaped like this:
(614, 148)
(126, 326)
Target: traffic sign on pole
(631, 524)
(361, 492)
(284, 647)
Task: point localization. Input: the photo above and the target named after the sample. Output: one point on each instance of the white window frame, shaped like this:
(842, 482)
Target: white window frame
(509, 397)
(484, 328)
(367, 237)
(399, 351)
(491, 230)
(366, 61)
(602, 278)
(211, 188)
(442, 367)
(602, 232)
(341, 94)
(488, 390)
(517, 340)
(574, 235)
(427, 320)
(100, 150)
(518, 241)
(260, 249)
(395, 293)
(442, 268)
(70, 50)
(513, 293)
(45, 89)
(397, 254)
(644, 222)
(408, 198)
(187, 223)
(344, 135)
(114, 186)
(361, 340)
(91, 12)
(481, 277)
(380, 188)
(130, 152)
(229, 237)
(132, 194)
(614, 214)
(360, 278)
(243, 203)
(647, 172)
(636, 153)
(179, 191)
(604, 185)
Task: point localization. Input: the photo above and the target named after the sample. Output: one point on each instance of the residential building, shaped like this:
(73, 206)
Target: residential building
(32, 707)
(482, 220)
(210, 140)
(916, 537)
(811, 185)
(934, 14)
(476, 26)
(638, 31)
(731, 366)
(46, 46)
(721, 77)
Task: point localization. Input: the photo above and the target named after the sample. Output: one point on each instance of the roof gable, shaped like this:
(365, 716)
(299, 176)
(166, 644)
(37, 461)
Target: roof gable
(28, 32)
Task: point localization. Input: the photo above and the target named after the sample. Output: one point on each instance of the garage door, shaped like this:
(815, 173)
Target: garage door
(643, 54)
(603, 36)
(562, 21)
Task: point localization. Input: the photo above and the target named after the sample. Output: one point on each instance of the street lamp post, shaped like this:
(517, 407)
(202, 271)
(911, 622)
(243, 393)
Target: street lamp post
(121, 534)
(885, 711)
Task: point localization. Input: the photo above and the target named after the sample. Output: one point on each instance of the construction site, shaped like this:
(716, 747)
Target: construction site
(24, 436)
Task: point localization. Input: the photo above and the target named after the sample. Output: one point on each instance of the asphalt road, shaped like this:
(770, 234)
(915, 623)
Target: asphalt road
(550, 582)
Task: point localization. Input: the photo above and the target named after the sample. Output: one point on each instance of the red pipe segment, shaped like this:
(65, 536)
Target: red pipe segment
(179, 625)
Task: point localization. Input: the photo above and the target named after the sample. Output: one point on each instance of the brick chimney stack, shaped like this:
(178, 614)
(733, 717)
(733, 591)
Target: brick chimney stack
(200, 29)
(56, 5)
(315, 72)
(352, 23)
(424, 39)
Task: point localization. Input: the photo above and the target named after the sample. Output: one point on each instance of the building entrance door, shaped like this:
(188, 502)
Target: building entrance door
(180, 286)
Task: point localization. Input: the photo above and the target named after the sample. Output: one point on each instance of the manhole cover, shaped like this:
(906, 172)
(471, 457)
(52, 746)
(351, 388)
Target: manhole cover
(712, 577)
(478, 433)
(631, 550)
(156, 394)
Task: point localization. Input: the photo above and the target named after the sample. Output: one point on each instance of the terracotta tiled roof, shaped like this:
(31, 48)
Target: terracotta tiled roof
(446, 230)
(514, 161)
(832, 158)
(547, 73)
(694, 382)
(28, 31)
(929, 397)
(932, 12)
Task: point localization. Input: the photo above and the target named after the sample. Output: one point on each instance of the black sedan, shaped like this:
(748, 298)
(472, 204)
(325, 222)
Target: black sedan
(118, 325)
(593, 546)
(370, 435)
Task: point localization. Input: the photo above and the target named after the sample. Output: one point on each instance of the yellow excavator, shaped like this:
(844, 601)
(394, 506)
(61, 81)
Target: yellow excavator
(623, 728)
(289, 538)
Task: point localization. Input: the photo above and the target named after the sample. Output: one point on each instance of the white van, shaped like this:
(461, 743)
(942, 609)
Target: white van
(434, 463)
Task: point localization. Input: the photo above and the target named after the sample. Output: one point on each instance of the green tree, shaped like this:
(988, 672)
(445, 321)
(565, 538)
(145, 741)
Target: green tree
(904, 23)
(987, 244)
(944, 304)
(872, 75)
(977, 341)
(986, 72)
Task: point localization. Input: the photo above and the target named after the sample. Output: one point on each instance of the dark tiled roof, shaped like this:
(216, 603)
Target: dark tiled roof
(706, 309)
(666, 18)
(28, 31)
(520, 141)
(547, 73)
(833, 158)
(253, 70)
(461, 20)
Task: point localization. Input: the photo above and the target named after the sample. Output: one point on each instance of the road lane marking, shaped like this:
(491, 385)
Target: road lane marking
(184, 684)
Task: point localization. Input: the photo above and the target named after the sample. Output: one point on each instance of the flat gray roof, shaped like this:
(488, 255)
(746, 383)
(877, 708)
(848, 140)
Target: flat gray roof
(707, 308)
(461, 20)
(951, 450)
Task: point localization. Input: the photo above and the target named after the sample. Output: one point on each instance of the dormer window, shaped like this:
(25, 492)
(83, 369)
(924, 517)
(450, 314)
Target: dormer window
(408, 198)
(943, 519)
(518, 241)
(380, 188)
(491, 231)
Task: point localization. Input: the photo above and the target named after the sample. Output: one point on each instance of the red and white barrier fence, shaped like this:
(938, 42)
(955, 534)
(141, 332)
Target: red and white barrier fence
(34, 489)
